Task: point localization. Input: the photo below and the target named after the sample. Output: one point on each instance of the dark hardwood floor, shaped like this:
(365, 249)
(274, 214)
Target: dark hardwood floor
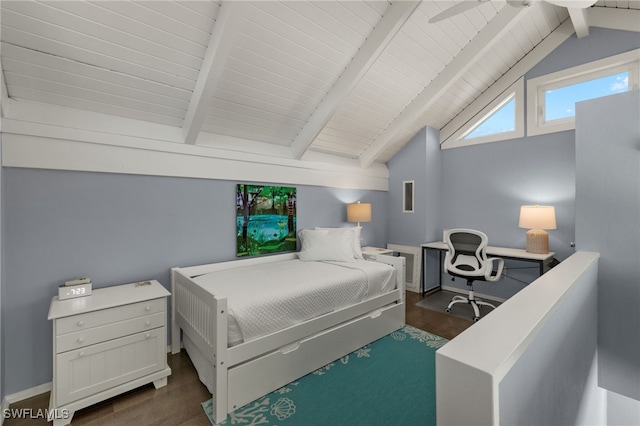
(178, 403)
(440, 323)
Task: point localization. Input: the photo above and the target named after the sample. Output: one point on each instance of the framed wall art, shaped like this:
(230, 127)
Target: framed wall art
(265, 219)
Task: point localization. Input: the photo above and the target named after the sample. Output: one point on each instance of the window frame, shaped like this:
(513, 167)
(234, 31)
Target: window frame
(537, 87)
(516, 92)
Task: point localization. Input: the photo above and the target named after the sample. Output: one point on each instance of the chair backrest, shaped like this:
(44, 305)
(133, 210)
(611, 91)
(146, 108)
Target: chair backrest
(467, 254)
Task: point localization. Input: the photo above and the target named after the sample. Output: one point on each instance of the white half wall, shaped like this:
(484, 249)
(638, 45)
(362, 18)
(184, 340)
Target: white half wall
(528, 361)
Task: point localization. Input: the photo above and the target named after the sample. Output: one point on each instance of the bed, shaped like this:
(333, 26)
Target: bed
(316, 312)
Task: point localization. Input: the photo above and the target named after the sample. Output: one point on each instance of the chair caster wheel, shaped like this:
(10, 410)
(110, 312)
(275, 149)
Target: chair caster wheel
(447, 310)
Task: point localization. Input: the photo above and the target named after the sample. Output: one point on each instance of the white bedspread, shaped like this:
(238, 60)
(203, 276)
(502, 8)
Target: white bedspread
(265, 298)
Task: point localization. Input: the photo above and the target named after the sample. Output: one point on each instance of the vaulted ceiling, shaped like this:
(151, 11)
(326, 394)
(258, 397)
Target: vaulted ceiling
(354, 79)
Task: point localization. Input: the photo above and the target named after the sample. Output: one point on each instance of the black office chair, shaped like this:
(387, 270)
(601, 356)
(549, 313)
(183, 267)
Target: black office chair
(467, 258)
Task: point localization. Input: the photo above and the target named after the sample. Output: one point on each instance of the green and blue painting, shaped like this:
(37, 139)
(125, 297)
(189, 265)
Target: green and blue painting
(265, 219)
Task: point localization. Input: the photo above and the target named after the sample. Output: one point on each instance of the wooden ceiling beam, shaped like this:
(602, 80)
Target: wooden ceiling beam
(394, 18)
(229, 16)
(4, 95)
(455, 69)
(615, 19)
(579, 19)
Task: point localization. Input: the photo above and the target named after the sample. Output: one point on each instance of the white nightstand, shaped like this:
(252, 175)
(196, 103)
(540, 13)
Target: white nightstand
(105, 344)
(376, 250)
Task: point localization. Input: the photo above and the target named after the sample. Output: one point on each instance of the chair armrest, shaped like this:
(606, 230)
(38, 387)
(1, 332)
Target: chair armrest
(489, 274)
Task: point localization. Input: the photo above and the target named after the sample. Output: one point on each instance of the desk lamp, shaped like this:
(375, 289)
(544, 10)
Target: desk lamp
(359, 212)
(537, 219)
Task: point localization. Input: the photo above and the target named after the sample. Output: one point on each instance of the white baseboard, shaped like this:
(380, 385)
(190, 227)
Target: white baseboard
(22, 395)
(28, 393)
(5, 406)
(31, 392)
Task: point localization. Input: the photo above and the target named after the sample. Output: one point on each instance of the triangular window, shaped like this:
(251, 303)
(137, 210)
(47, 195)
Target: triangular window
(499, 121)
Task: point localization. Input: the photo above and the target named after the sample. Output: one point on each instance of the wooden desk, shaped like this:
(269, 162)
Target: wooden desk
(504, 252)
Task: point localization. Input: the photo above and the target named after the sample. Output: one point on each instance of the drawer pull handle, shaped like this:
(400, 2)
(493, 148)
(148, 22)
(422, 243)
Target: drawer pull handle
(290, 348)
(376, 314)
(80, 323)
(147, 336)
(80, 339)
(81, 354)
(147, 323)
(147, 308)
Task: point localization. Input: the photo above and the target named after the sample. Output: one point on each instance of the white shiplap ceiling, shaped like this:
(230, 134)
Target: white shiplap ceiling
(354, 79)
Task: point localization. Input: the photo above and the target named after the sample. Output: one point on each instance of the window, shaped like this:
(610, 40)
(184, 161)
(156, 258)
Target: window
(560, 103)
(502, 119)
(551, 99)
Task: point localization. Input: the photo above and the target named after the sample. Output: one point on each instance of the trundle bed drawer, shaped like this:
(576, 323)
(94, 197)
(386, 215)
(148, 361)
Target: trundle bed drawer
(278, 368)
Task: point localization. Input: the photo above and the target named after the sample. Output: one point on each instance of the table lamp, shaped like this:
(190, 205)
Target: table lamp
(359, 212)
(537, 219)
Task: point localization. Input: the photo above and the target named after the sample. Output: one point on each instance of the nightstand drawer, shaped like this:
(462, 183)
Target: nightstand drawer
(80, 339)
(107, 316)
(87, 371)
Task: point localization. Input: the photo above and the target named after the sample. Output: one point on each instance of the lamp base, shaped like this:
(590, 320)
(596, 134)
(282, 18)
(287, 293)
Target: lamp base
(537, 241)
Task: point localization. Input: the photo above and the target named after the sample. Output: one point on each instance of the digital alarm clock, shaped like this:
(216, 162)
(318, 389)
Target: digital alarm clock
(75, 288)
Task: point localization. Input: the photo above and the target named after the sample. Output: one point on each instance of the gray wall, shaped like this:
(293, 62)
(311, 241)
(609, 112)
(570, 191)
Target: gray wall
(483, 186)
(607, 221)
(575, 51)
(118, 229)
(420, 161)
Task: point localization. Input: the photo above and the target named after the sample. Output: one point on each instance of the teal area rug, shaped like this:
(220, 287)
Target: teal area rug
(389, 382)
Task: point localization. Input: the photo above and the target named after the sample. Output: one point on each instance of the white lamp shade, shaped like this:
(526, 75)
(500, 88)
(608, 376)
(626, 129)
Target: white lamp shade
(359, 212)
(537, 217)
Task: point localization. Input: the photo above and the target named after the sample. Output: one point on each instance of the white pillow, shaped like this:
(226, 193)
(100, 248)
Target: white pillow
(319, 245)
(357, 249)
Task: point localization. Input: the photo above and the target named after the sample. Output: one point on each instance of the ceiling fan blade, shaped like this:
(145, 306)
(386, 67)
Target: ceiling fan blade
(454, 10)
(579, 4)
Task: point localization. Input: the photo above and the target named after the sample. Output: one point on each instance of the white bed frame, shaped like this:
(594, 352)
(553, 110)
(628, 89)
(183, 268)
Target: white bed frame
(245, 372)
